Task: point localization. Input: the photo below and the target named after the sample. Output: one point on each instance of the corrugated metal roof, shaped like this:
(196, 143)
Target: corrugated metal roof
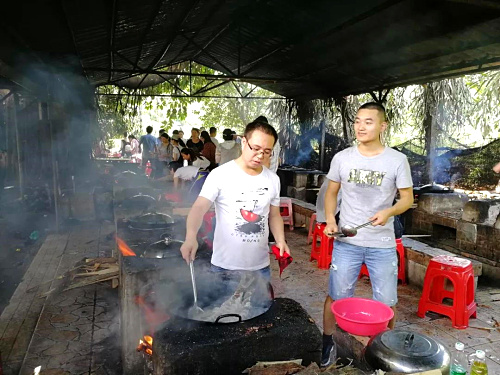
(311, 49)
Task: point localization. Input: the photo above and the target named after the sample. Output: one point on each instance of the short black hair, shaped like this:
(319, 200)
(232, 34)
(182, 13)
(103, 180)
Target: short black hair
(165, 135)
(161, 131)
(261, 119)
(227, 134)
(376, 106)
(213, 129)
(175, 132)
(149, 129)
(263, 127)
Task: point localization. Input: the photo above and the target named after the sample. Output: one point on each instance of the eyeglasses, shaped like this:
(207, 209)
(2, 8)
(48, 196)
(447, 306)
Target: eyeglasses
(256, 150)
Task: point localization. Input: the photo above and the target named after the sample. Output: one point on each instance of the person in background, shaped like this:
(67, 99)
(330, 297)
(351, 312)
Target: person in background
(181, 138)
(195, 142)
(208, 148)
(247, 205)
(496, 168)
(195, 161)
(147, 144)
(165, 151)
(158, 140)
(176, 153)
(213, 134)
(124, 142)
(369, 175)
(134, 144)
(227, 150)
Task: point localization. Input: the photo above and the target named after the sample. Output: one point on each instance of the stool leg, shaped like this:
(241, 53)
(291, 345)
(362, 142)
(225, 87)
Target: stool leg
(422, 304)
(436, 292)
(460, 318)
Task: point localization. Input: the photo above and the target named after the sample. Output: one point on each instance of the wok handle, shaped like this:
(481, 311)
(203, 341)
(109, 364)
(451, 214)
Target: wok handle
(227, 316)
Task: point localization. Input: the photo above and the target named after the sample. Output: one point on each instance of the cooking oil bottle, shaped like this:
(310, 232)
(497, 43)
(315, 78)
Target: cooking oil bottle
(459, 360)
(479, 366)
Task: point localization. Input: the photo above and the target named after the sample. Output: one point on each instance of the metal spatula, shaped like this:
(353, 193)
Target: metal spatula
(195, 309)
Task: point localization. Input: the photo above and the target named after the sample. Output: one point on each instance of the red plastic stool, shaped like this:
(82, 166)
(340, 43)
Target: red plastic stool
(312, 222)
(401, 263)
(286, 211)
(323, 253)
(459, 271)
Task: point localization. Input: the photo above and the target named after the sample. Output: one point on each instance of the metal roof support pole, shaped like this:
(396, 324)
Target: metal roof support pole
(20, 167)
(322, 144)
(55, 182)
(289, 104)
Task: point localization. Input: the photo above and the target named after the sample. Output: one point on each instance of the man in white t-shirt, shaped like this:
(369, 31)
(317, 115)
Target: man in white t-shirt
(246, 198)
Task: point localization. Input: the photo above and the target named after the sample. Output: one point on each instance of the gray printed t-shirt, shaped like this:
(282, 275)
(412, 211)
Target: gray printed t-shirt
(369, 184)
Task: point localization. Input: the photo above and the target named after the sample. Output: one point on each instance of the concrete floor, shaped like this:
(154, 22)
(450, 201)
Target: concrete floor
(77, 332)
(304, 282)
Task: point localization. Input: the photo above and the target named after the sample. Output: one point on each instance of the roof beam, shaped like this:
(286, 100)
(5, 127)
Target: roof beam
(19, 79)
(147, 29)
(212, 11)
(293, 44)
(198, 96)
(249, 79)
(112, 40)
(481, 3)
(173, 33)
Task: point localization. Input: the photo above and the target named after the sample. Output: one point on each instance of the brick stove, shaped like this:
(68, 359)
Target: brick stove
(469, 228)
(284, 332)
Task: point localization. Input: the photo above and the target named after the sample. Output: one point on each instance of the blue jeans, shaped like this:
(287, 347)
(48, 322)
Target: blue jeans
(382, 265)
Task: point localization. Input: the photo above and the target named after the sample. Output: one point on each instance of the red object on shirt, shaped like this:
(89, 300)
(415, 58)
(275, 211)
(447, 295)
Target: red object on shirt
(283, 260)
(249, 216)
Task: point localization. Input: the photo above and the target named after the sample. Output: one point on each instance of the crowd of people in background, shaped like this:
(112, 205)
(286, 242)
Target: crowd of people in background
(167, 155)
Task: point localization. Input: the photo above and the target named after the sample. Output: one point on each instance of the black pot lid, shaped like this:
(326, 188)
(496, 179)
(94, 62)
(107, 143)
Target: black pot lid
(409, 343)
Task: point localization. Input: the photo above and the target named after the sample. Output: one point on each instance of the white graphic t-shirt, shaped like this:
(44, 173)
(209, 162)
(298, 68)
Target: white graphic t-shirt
(369, 184)
(242, 204)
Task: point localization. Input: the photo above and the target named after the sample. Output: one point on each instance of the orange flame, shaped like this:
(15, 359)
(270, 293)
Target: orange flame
(124, 248)
(146, 345)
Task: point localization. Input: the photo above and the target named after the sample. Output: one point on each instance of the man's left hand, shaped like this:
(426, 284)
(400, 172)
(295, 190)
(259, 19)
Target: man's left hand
(380, 218)
(283, 248)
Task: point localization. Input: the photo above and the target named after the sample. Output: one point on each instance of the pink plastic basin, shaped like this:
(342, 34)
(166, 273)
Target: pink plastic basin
(361, 316)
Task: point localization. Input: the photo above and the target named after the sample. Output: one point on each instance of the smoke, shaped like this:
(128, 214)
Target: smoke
(301, 146)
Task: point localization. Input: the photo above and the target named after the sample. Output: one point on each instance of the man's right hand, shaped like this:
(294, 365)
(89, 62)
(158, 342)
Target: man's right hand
(189, 249)
(330, 229)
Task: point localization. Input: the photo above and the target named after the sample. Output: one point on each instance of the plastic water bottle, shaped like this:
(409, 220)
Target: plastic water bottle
(479, 366)
(459, 360)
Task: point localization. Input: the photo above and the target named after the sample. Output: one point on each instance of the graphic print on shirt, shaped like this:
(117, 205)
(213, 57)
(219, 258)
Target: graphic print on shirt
(366, 177)
(250, 224)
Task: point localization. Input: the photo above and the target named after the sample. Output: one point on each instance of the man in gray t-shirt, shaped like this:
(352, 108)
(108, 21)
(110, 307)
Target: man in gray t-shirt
(370, 175)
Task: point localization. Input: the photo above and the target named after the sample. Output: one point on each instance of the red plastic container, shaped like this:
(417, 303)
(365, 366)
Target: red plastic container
(362, 316)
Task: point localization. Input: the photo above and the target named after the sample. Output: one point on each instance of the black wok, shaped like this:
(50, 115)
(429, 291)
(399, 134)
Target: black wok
(175, 297)
(152, 221)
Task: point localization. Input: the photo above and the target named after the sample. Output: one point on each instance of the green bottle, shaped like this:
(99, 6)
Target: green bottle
(479, 366)
(459, 360)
